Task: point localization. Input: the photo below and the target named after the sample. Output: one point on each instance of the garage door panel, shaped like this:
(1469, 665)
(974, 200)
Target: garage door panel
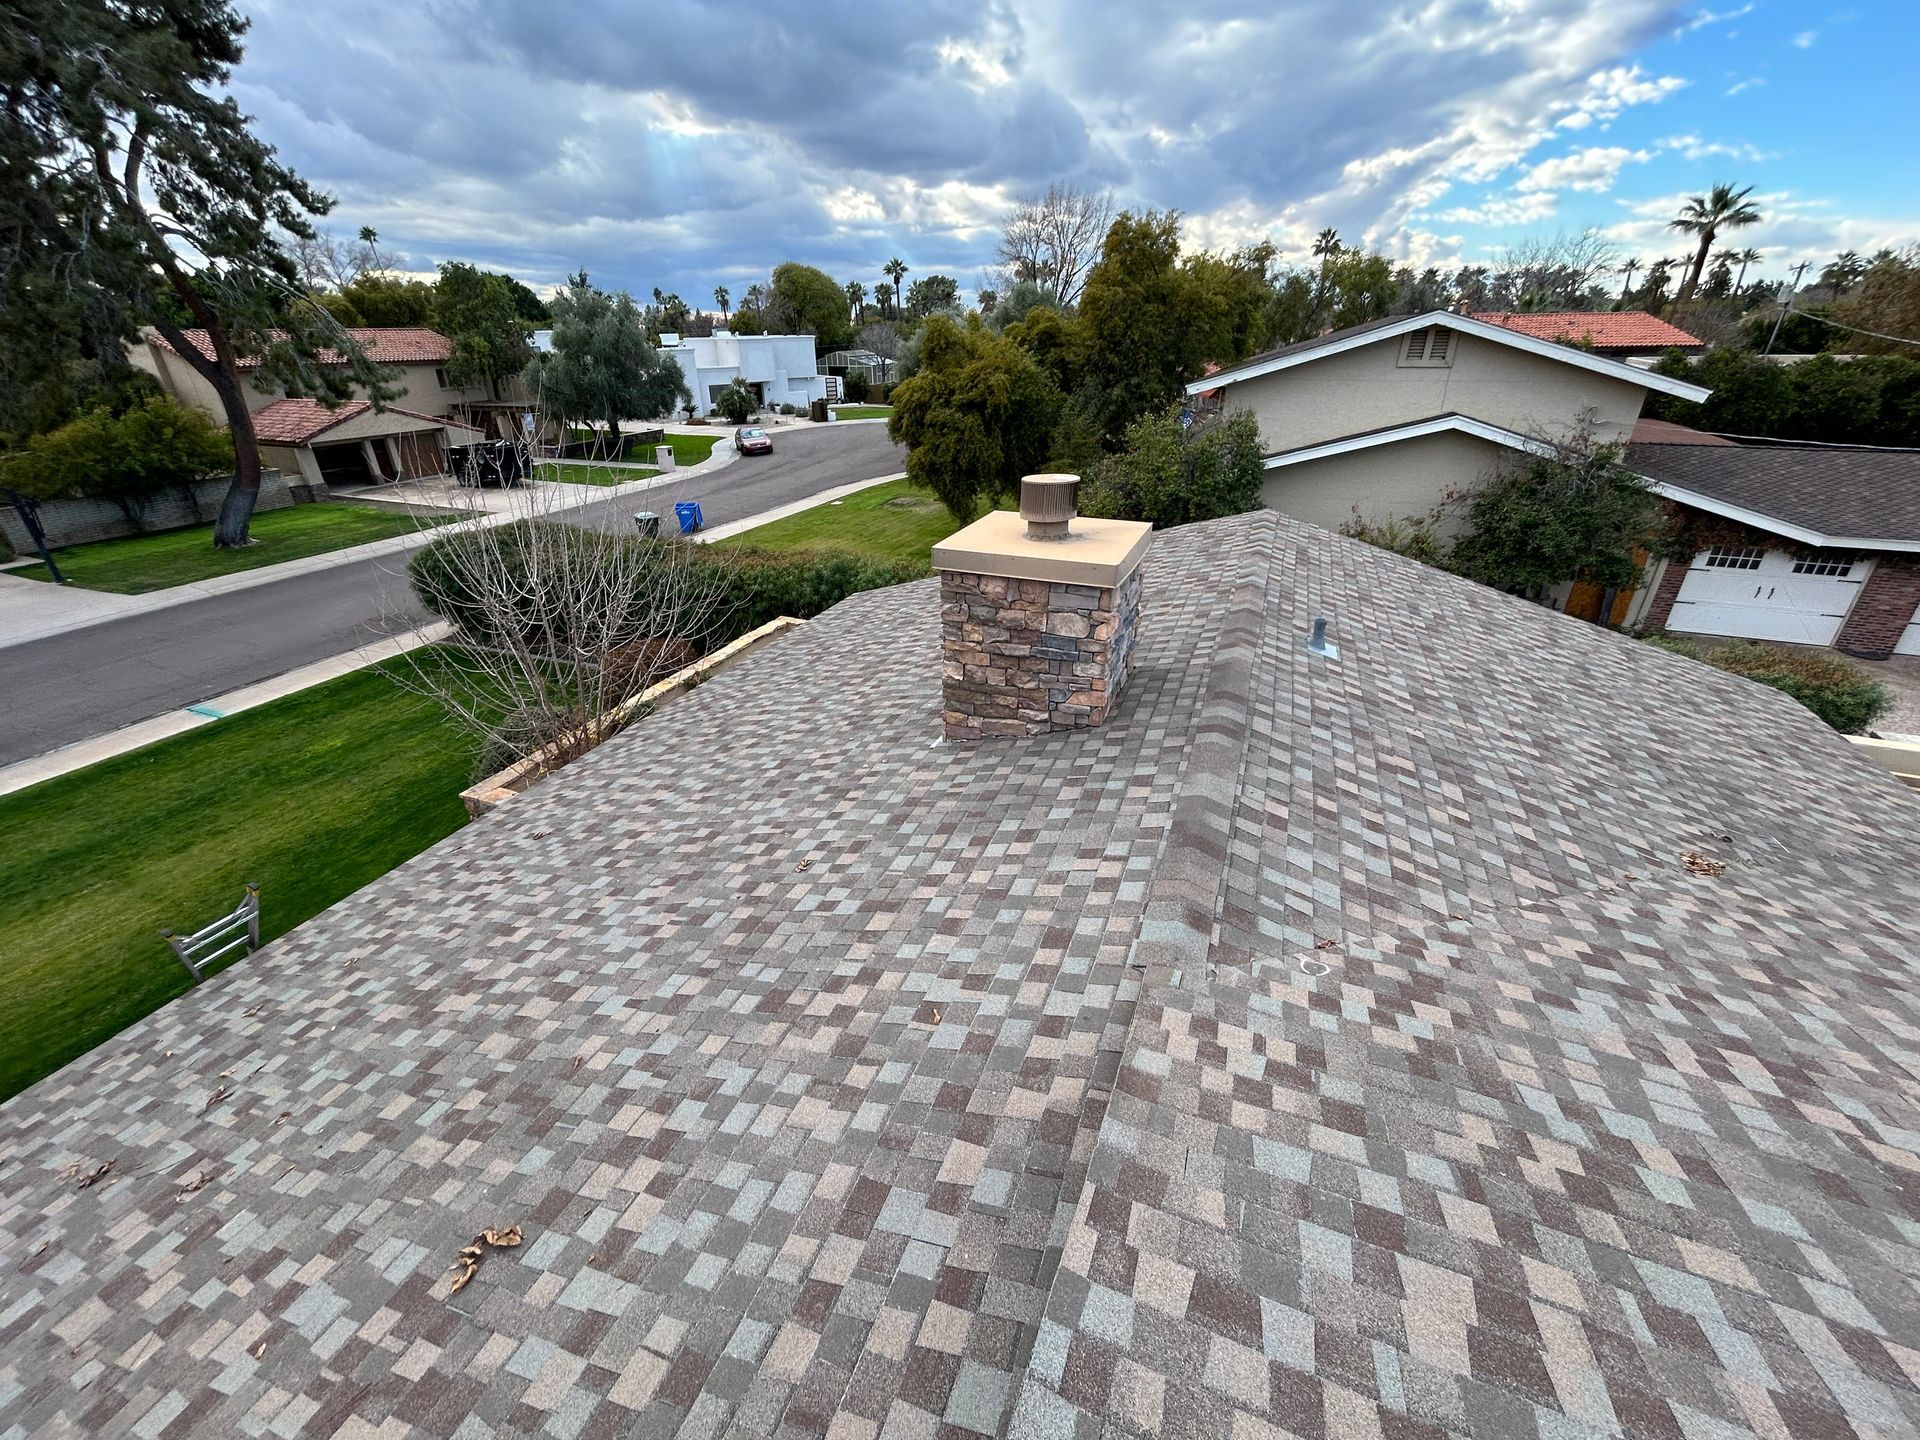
(1909, 641)
(1759, 596)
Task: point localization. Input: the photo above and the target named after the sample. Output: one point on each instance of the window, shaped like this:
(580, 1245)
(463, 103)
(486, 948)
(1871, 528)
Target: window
(1823, 565)
(1427, 348)
(441, 376)
(1723, 557)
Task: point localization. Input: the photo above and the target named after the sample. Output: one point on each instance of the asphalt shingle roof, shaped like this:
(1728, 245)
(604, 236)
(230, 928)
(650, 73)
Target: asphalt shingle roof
(1843, 494)
(1318, 1048)
(1602, 329)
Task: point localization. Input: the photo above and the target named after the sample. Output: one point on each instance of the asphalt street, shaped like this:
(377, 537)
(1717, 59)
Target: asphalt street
(87, 682)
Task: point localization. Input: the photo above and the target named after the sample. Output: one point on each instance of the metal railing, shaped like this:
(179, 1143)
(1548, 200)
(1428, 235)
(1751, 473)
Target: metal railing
(207, 944)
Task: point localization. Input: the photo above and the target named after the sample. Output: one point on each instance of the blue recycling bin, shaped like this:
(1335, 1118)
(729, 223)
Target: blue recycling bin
(687, 512)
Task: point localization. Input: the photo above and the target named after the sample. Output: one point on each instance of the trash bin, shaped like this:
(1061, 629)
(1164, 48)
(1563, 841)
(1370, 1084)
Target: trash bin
(648, 525)
(687, 512)
(817, 412)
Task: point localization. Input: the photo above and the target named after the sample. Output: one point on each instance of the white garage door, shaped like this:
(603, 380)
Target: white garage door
(1909, 642)
(1768, 595)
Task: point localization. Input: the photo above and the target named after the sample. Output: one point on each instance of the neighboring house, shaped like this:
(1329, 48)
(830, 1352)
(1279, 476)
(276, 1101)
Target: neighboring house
(779, 369)
(1616, 334)
(353, 445)
(1504, 1028)
(1814, 544)
(1399, 415)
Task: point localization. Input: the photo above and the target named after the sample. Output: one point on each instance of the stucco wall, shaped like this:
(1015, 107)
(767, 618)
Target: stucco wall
(1406, 479)
(418, 385)
(1367, 389)
(76, 522)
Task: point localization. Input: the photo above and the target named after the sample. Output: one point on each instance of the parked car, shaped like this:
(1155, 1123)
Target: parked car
(752, 440)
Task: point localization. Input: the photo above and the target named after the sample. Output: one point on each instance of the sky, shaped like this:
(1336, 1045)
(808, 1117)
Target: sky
(699, 143)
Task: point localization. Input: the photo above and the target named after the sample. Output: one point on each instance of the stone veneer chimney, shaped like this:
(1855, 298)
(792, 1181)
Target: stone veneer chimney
(1038, 615)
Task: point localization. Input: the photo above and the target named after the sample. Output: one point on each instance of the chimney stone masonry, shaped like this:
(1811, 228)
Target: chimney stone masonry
(1038, 615)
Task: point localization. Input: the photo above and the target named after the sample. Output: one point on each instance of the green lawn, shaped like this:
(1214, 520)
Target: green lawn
(140, 563)
(862, 412)
(895, 521)
(587, 474)
(312, 796)
(692, 449)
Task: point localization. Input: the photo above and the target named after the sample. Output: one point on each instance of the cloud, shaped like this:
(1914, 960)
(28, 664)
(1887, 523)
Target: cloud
(1700, 19)
(1804, 40)
(1694, 148)
(1750, 83)
(688, 146)
(1592, 169)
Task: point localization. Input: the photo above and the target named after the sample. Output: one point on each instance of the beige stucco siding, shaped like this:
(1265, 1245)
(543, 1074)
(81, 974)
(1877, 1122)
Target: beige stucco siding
(1367, 389)
(1406, 479)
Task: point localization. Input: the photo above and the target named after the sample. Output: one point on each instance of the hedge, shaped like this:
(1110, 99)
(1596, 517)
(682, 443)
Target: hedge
(1835, 689)
(755, 586)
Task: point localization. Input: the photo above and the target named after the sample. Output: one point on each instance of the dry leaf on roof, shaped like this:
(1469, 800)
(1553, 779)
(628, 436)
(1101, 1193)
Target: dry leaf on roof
(1701, 864)
(197, 1182)
(96, 1175)
(471, 1255)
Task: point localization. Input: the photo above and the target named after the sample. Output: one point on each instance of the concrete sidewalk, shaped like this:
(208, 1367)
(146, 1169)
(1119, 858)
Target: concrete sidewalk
(35, 609)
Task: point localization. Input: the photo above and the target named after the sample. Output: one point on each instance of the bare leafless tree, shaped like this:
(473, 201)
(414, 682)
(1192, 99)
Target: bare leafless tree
(1561, 271)
(1055, 238)
(325, 261)
(558, 626)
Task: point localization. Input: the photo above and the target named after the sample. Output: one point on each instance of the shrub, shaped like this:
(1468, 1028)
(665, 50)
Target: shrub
(1172, 476)
(128, 458)
(744, 588)
(789, 409)
(855, 387)
(1415, 536)
(1834, 688)
(736, 403)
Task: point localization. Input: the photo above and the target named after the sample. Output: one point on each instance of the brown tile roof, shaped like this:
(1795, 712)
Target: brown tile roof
(1665, 432)
(1603, 329)
(1324, 1048)
(389, 345)
(1831, 492)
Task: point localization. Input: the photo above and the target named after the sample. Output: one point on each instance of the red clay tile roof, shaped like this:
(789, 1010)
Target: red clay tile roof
(394, 345)
(1605, 329)
(298, 422)
(295, 422)
(1665, 432)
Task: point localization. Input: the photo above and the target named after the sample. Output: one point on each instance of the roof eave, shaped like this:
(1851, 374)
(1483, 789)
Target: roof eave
(1465, 325)
(1438, 425)
(1726, 509)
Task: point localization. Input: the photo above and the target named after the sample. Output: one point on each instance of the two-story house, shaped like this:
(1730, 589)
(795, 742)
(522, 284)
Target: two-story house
(356, 444)
(1395, 416)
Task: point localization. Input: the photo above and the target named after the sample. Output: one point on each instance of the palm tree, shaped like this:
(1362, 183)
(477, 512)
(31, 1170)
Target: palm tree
(856, 297)
(1327, 242)
(1722, 208)
(1743, 258)
(720, 298)
(1627, 284)
(896, 268)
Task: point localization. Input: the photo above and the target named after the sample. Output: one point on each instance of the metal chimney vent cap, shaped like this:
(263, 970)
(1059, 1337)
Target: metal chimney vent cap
(1047, 505)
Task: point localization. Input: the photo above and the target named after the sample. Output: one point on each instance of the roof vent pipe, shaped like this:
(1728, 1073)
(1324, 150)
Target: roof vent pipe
(1047, 505)
(1319, 644)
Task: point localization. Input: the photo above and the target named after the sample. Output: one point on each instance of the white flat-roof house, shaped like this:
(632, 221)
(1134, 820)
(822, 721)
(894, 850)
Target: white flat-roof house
(779, 369)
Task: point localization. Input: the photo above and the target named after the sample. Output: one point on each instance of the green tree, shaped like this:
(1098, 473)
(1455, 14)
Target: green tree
(1576, 514)
(1169, 474)
(1706, 216)
(1887, 302)
(385, 300)
(1230, 301)
(896, 271)
(127, 458)
(816, 302)
(476, 310)
(856, 297)
(1021, 299)
(1140, 348)
(720, 298)
(132, 189)
(976, 416)
(602, 366)
(932, 292)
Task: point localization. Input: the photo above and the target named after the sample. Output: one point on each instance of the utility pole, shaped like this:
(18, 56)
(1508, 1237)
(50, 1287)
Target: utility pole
(1786, 299)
